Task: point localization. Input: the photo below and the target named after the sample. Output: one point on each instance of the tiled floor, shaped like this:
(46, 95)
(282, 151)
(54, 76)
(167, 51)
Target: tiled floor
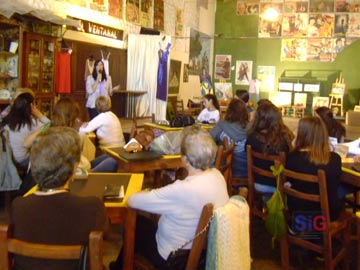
(264, 256)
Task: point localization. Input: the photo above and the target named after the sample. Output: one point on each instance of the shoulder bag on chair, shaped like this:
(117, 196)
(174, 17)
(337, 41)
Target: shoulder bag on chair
(9, 177)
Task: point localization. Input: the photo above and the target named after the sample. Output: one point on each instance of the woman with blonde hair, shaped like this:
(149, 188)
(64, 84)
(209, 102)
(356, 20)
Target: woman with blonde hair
(312, 152)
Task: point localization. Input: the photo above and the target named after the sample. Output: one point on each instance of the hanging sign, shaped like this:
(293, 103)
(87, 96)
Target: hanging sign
(100, 30)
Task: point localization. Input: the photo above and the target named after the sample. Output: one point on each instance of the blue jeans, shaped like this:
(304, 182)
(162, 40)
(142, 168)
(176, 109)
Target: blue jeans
(104, 163)
(269, 190)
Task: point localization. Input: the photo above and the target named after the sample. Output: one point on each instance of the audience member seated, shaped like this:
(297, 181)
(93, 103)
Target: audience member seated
(180, 203)
(234, 127)
(211, 112)
(312, 152)
(53, 215)
(268, 134)
(335, 129)
(244, 96)
(66, 113)
(23, 119)
(106, 124)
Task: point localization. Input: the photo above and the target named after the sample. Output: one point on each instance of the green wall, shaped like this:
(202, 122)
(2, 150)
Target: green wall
(237, 36)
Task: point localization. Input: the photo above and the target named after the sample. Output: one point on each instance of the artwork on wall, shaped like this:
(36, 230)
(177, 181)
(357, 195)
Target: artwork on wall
(266, 75)
(199, 56)
(116, 8)
(269, 28)
(320, 102)
(354, 26)
(222, 67)
(341, 25)
(347, 6)
(179, 22)
(247, 8)
(146, 10)
(243, 72)
(293, 49)
(223, 90)
(186, 73)
(295, 25)
(319, 49)
(132, 11)
(159, 14)
(321, 5)
(174, 77)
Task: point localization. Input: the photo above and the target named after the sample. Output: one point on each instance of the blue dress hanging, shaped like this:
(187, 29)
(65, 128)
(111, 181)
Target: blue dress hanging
(162, 74)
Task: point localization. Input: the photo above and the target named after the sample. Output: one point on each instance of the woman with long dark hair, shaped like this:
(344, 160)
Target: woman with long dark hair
(268, 134)
(97, 84)
(23, 119)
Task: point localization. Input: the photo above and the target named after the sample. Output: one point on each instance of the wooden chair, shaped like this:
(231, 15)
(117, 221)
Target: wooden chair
(255, 197)
(223, 162)
(199, 243)
(10, 246)
(179, 109)
(138, 124)
(339, 229)
(193, 108)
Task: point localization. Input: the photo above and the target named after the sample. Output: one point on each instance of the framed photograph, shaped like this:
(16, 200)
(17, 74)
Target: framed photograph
(174, 77)
(320, 102)
(223, 90)
(243, 72)
(222, 67)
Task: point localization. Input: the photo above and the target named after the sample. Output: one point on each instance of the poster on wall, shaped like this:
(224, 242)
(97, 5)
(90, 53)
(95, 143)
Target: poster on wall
(293, 49)
(116, 8)
(266, 76)
(186, 73)
(179, 22)
(321, 5)
(269, 28)
(146, 10)
(319, 49)
(223, 90)
(132, 11)
(347, 6)
(159, 14)
(295, 25)
(341, 25)
(222, 67)
(199, 56)
(243, 72)
(174, 77)
(354, 26)
(321, 25)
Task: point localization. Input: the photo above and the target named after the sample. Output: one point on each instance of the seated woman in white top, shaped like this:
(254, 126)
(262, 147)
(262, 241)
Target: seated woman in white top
(211, 112)
(106, 123)
(180, 203)
(23, 119)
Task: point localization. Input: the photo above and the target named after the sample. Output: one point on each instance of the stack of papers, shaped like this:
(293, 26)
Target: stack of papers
(353, 147)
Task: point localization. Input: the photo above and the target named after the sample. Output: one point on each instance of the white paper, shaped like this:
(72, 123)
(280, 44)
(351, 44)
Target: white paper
(353, 147)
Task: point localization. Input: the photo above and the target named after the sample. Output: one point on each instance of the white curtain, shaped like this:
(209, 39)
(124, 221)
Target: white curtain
(142, 68)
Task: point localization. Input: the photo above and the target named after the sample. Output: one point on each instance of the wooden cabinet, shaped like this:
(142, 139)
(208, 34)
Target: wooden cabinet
(9, 59)
(39, 69)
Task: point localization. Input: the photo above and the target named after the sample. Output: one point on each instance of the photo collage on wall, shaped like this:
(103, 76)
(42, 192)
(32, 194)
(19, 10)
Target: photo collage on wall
(313, 30)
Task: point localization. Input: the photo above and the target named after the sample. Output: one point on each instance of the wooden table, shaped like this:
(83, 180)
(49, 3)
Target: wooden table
(350, 176)
(168, 128)
(130, 101)
(145, 165)
(120, 213)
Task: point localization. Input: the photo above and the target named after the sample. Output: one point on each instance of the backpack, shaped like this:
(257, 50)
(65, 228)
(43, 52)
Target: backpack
(182, 121)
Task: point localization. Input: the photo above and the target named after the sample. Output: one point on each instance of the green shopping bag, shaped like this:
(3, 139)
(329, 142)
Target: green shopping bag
(275, 220)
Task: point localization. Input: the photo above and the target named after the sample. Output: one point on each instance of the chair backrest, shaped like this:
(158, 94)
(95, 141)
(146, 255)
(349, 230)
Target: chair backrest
(223, 162)
(199, 243)
(10, 246)
(254, 171)
(302, 180)
(138, 124)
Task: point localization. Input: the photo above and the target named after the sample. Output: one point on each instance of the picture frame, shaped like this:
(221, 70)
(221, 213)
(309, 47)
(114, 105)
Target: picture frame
(338, 88)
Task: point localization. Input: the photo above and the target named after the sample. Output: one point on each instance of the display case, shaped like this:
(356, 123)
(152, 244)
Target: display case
(39, 69)
(9, 59)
